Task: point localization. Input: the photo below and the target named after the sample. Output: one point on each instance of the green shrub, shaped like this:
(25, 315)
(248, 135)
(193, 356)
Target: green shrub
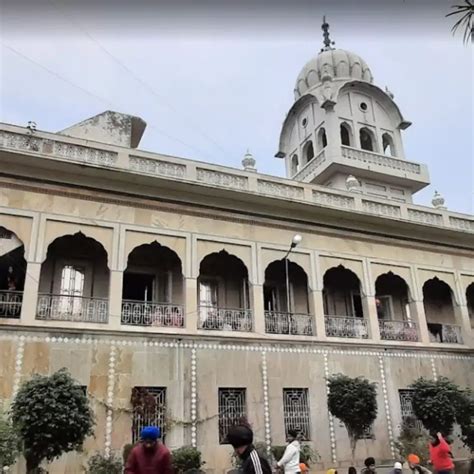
(186, 458)
(99, 464)
(414, 440)
(8, 442)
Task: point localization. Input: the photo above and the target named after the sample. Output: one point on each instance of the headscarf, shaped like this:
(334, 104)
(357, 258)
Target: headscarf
(150, 433)
(331, 471)
(413, 459)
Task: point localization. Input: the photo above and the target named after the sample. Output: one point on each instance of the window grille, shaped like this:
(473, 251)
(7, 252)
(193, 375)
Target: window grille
(406, 408)
(232, 408)
(296, 411)
(149, 409)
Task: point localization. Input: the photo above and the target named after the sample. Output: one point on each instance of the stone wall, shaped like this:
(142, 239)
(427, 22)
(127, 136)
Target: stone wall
(193, 370)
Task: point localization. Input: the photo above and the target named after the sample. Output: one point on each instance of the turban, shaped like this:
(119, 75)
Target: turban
(150, 433)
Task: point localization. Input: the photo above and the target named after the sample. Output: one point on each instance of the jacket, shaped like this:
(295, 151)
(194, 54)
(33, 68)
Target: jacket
(290, 460)
(141, 461)
(252, 463)
(440, 456)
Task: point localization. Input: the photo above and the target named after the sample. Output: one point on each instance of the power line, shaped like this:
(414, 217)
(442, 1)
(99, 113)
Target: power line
(97, 97)
(138, 78)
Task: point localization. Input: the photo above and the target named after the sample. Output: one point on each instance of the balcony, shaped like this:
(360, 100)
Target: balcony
(72, 308)
(295, 324)
(10, 304)
(445, 333)
(398, 331)
(225, 319)
(350, 327)
(146, 313)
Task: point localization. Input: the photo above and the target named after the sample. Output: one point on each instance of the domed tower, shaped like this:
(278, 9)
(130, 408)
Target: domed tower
(342, 125)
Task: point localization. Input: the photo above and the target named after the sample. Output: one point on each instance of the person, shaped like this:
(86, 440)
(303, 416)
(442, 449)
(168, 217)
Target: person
(149, 456)
(241, 439)
(414, 465)
(397, 468)
(352, 470)
(369, 466)
(331, 471)
(290, 461)
(440, 455)
(304, 469)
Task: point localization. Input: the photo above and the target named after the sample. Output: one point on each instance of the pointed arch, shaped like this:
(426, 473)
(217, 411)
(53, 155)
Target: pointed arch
(346, 134)
(322, 139)
(367, 139)
(388, 145)
(308, 151)
(294, 164)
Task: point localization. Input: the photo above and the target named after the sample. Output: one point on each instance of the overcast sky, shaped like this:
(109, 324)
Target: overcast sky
(214, 80)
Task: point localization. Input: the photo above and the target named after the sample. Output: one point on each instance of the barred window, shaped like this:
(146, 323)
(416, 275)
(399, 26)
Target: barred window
(149, 409)
(296, 411)
(406, 408)
(232, 408)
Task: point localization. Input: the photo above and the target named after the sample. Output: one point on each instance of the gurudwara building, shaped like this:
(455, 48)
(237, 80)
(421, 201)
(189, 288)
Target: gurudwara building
(228, 293)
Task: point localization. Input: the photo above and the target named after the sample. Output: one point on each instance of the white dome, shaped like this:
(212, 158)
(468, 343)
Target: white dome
(331, 64)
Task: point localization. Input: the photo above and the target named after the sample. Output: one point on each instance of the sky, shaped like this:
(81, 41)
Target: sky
(213, 79)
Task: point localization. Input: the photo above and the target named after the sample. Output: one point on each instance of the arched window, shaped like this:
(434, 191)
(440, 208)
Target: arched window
(345, 135)
(308, 151)
(366, 139)
(294, 165)
(388, 145)
(322, 139)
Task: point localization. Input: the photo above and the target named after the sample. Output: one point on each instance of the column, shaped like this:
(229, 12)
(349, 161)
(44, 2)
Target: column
(462, 318)
(30, 293)
(258, 309)
(317, 310)
(191, 309)
(370, 313)
(115, 299)
(417, 309)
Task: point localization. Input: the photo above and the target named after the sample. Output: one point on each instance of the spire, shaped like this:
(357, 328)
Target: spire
(327, 41)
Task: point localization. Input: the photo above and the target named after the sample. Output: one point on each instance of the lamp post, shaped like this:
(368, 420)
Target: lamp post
(294, 242)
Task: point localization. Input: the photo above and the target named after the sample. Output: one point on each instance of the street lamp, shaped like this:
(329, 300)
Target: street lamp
(294, 242)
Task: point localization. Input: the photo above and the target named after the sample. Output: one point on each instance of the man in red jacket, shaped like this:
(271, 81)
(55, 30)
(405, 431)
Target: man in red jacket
(440, 455)
(149, 456)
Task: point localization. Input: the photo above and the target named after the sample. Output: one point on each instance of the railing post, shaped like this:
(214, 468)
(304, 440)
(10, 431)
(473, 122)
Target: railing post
(191, 309)
(115, 299)
(317, 310)
(30, 293)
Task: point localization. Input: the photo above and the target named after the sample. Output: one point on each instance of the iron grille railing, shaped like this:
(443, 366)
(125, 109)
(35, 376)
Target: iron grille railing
(340, 326)
(278, 322)
(225, 319)
(406, 409)
(149, 414)
(296, 411)
(147, 313)
(445, 333)
(10, 304)
(72, 308)
(232, 409)
(398, 330)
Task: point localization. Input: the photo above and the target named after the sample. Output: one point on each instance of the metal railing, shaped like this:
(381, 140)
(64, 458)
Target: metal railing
(10, 303)
(278, 322)
(445, 333)
(346, 326)
(72, 308)
(398, 330)
(225, 319)
(148, 313)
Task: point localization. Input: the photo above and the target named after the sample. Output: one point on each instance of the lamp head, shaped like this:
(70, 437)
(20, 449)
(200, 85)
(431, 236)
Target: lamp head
(296, 240)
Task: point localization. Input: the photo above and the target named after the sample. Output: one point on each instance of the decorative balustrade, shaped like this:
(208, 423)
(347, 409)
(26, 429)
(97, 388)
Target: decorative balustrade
(146, 313)
(72, 308)
(10, 304)
(311, 166)
(297, 324)
(380, 160)
(398, 330)
(445, 333)
(225, 319)
(346, 326)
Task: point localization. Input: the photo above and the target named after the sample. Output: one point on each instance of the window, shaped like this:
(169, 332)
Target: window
(363, 106)
(388, 145)
(345, 135)
(72, 290)
(294, 165)
(232, 408)
(322, 139)
(384, 307)
(406, 408)
(308, 151)
(148, 409)
(366, 140)
(296, 411)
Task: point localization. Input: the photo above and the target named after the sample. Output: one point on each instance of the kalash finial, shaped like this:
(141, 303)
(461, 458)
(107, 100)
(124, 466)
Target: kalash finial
(327, 41)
